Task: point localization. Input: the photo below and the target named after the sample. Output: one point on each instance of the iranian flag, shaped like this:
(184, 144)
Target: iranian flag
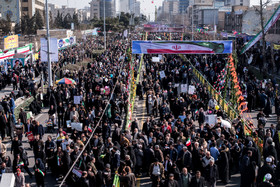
(188, 143)
(268, 25)
(21, 164)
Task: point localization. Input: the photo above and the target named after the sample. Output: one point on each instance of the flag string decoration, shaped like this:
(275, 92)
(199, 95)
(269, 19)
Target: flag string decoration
(240, 99)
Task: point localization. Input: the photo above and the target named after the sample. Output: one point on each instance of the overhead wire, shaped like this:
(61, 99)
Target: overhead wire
(113, 90)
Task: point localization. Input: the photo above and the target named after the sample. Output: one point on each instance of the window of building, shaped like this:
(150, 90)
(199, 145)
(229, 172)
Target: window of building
(24, 8)
(24, 0)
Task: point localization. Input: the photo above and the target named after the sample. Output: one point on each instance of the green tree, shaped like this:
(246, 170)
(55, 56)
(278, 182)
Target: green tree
(6, 25)
(17, 28)
(76, 21)
(39, 23)
(51, 21)
(27, 25)
(67, 21)
(124, 19)
(58, 22)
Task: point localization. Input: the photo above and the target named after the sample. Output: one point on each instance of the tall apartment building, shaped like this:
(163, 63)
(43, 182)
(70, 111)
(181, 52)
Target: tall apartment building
(197, 6)
(94, 9)
(97, 8)
(134, 7)
(15, 9)
(183, 5)
(12, 9)
(123, 6)
(64, 10)
(29, 7)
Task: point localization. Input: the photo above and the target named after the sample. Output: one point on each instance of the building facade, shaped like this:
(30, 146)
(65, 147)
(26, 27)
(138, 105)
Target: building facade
(110, 8)
(64, 10)
(183, 5)
(10, 8)
(29, 7)
(97, 8)
(94, 9)
(134, 7)
(208, 17)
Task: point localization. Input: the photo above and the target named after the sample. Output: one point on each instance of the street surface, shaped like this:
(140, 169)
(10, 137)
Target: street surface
(139, 112)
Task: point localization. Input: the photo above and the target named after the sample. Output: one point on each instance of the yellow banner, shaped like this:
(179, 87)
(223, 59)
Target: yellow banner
(276, 47)
(11, 42)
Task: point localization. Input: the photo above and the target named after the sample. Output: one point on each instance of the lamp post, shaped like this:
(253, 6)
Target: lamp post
(104, 25)
(192, 17)
(48, 46)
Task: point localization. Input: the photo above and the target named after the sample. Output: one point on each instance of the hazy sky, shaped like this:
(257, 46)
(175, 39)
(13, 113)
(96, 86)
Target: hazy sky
(147, 6)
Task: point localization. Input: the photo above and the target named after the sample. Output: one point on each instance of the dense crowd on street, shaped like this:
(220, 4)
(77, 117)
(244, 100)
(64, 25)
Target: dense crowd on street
(174, 147)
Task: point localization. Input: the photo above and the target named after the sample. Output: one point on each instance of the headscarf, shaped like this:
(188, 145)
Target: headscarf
(18, 173)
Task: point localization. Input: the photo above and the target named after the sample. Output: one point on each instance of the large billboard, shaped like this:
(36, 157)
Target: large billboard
(182, 47)
(10, 42)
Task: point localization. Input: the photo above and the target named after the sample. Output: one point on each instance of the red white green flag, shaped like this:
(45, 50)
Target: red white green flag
(188, 143)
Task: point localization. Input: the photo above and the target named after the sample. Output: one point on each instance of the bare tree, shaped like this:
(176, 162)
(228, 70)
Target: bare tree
(260, 11)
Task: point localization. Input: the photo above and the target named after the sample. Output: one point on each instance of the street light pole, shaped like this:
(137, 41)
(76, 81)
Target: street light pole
(104, 25)
(192, 19)
(48, 45)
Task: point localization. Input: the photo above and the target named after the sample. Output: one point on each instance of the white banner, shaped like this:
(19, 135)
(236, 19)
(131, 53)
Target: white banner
(211, 120)
(65, 42)
(162, 74)
(184, 88)
(53, 50)
(191, 90)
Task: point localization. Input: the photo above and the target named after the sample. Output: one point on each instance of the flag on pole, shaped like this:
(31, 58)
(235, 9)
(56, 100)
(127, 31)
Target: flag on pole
(268, 25)
(116, 182)
(188, 143)
(21, 164)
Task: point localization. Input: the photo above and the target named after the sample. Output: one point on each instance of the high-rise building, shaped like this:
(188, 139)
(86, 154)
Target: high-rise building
(15, 9)
(29, 7)
(134, 7)
(170, 7)
(183, 5)
(124, 6)
(11, 8)
(94, 9)
(64, 10)
(97, 8)
(110, 8)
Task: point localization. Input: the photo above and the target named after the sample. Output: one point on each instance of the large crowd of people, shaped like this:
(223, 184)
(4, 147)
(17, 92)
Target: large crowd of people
(175, 146)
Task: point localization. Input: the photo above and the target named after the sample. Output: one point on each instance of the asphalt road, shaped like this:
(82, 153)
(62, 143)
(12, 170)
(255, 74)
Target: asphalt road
(139, 112)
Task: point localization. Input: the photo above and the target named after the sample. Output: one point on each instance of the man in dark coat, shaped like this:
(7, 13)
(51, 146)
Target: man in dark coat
(38, 129)
(270, 150)
(211, 174)
(15, 146)
(23, 116)
(224, 165)
(186, 159)
(83, 181)
(266, 168)
(60, 114)
(106, 132)
(171, 182)
(247, 170)
(38, 148)
(197, 180)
